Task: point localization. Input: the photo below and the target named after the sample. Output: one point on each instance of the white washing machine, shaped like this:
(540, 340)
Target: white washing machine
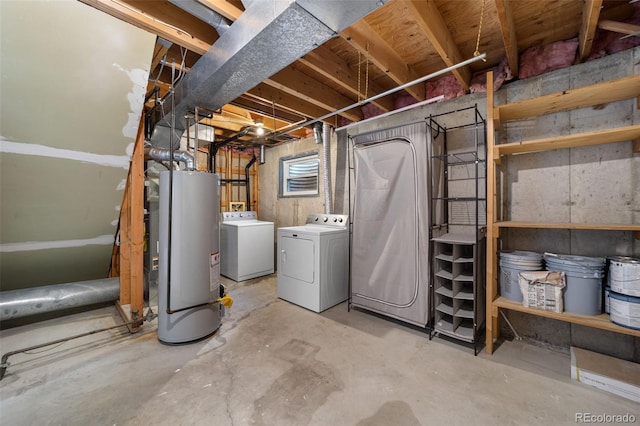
(246, 246)
(313, 262)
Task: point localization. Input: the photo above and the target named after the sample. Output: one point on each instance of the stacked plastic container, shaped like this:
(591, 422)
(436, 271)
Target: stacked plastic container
(584, 275)
(624, 293)
(511, 264)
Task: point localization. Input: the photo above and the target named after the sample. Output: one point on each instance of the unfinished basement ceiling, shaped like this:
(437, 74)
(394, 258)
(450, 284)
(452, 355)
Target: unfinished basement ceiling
(400, 41)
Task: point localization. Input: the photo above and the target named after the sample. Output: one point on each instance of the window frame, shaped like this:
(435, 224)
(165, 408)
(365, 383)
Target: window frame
(285, 162)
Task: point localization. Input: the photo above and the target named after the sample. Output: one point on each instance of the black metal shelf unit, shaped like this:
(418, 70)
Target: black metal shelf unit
(458, 209)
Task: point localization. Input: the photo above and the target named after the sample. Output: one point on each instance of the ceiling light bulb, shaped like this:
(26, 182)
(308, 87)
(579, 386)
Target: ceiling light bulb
(260, 129)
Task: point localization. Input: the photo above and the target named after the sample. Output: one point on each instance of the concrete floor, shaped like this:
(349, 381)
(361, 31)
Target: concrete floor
(274, 363)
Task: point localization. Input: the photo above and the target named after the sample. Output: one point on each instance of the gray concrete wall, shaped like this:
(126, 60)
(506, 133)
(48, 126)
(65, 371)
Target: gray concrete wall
(590, 184)
(73, 85)
(291, 211)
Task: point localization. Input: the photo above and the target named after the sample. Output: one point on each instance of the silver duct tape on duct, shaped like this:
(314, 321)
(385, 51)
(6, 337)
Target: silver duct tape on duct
(243, 55)
(40, 300)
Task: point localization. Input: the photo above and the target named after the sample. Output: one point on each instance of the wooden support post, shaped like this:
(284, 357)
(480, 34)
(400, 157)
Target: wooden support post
(132, 237)
(136, 193)
(636, 145)
(125, 247)
(492, 325)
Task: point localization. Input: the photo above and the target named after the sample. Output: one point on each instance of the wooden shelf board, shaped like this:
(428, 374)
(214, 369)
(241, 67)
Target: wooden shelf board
(600, 93)
(600, 321)
(586, 226)
(570, 141)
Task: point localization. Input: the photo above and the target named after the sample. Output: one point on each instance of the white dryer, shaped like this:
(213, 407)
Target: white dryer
(246, 246)
(313, 262)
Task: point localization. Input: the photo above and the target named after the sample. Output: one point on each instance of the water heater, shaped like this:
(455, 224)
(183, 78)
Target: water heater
(189, 257)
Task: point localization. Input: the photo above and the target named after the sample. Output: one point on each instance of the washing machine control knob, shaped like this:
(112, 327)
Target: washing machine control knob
(325, 219)
(335, 219)
(316, 219)
(340, 220)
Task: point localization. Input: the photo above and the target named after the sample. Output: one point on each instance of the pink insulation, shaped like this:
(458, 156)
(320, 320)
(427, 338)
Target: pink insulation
(501, 73)
(447, 86)
(403, 99)
(538, 60)
(370, 110)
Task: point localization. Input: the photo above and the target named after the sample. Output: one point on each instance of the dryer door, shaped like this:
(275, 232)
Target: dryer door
(296, 257)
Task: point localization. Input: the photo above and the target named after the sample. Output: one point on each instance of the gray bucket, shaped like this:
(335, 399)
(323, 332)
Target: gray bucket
(583, 294)
(511, 264)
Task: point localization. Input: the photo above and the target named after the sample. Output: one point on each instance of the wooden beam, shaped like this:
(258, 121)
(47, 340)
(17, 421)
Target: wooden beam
(262, 108)
(331, 66)
(430, 20)
(298, 84)
(619, 27)
(596, 137)
(222, 7)
(565, 225)
(140, 19)
(368, 42)
(582, 97)
(285, 100)
(602, 321)
(508, 30)
(590, 15)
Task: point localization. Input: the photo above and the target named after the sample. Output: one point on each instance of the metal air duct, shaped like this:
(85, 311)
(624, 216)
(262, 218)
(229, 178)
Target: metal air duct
(217, 21)
(39, 300)
(267, 37)
(165, 155)
(326, 167)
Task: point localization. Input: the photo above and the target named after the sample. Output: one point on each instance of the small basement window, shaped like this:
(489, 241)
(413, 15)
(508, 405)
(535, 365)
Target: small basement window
(299, 175)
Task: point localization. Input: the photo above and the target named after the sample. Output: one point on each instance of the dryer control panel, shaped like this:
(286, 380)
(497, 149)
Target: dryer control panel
(334, 220)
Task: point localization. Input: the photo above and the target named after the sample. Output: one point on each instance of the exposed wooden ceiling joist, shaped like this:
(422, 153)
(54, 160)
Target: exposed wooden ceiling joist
(396, 44)
(508, 30)
(291, 81)
(225, 9)
(619, 27)
(158, 53)
(368, 42)
(590, 16)
(295, 104)
(326, 63)
(149, 23)
(431, 23)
